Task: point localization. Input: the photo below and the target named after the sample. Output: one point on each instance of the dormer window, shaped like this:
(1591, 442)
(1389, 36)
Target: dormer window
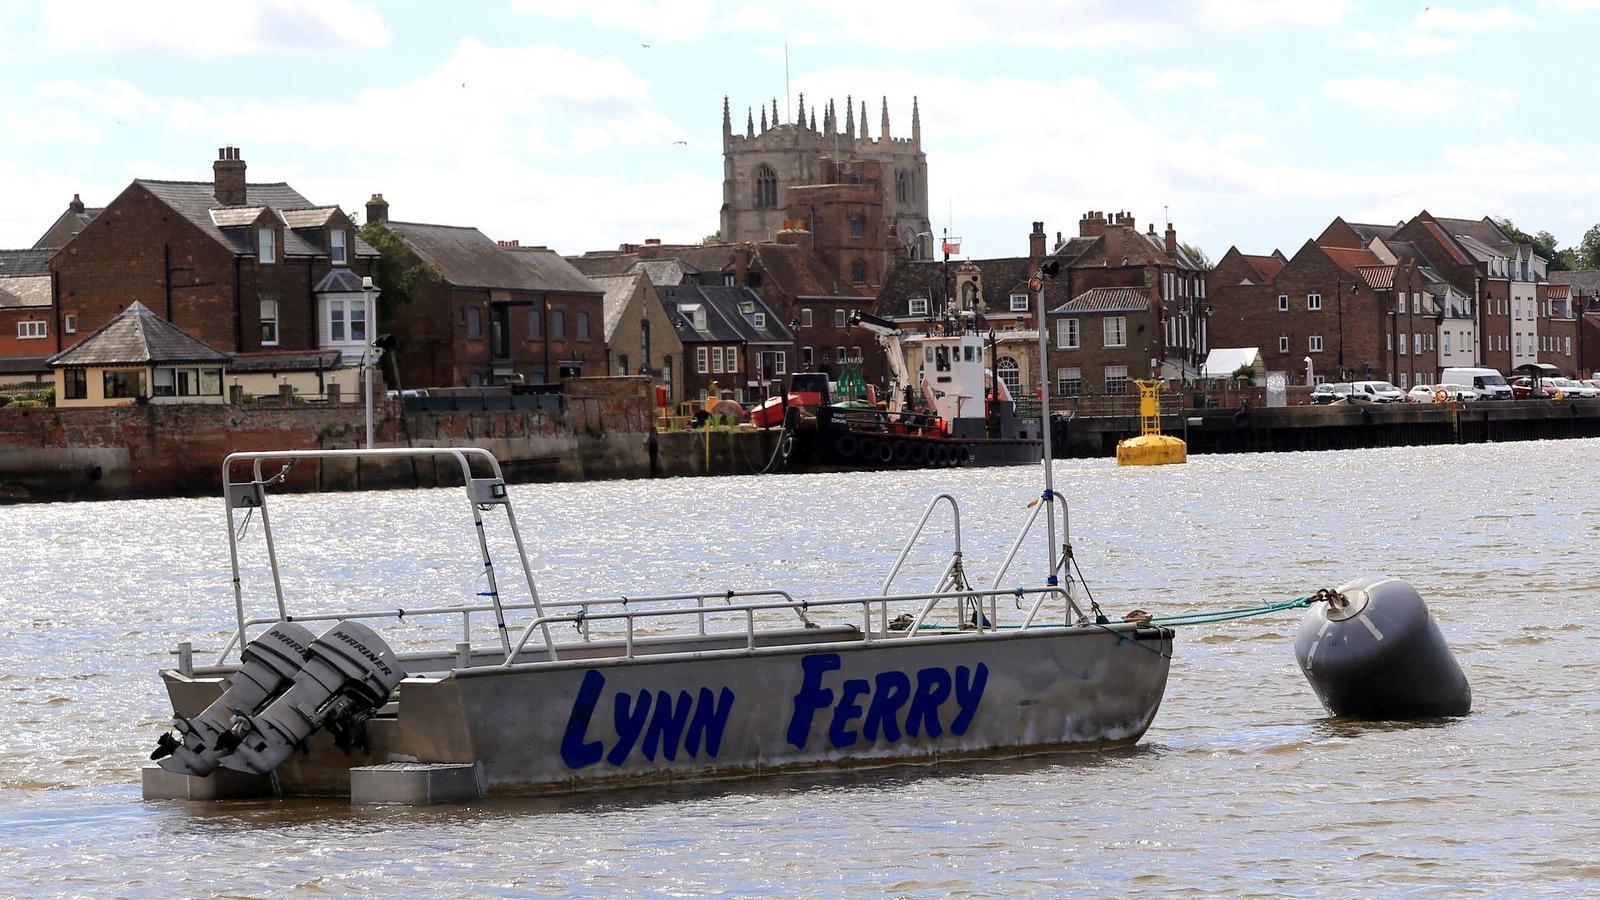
(336, 247)
(266, 245)
(919, 306)
(759, 320)
(1019, 302)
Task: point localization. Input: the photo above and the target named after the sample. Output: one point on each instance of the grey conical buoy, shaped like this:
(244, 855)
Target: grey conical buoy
(1375, 652)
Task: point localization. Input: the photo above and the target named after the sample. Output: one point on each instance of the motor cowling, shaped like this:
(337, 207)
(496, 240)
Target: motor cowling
(1374, 651)
(267, 665)
(349, 673)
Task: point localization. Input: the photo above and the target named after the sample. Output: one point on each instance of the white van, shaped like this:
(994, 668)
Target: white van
(1489, 383)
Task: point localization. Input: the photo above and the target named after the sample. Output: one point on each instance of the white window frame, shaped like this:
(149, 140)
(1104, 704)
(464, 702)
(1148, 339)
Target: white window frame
(731, 361)
(780, 362)
(918, 306)
(1283, 343)
(1073, 374)
(805, 318)
(716, 360)
(1402, 345)
(702, 360)
(273, 319)
(1314, 343)
(266, 246)
(808, 357)
(69, 323)
(338, 252)
(1019, 302)
(840, 318)
(1069, 334)
(1313, 302)
(1106, 377)
(758, 319)
(33, 330)
(1283, 303)
(1114, 331)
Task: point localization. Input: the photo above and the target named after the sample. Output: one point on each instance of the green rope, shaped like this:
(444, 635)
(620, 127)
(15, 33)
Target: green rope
(1228, 615)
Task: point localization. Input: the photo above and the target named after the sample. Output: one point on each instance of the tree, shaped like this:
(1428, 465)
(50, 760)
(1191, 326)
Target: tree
(1544, 243)
(714, 237)
(400, 274)
(1587, 253)
(1199, 256)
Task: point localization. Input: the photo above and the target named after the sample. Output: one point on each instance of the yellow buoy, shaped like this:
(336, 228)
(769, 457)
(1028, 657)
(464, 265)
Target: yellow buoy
(1151, 447)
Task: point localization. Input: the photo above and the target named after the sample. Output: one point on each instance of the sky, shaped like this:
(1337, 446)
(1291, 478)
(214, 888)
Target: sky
(583, 124)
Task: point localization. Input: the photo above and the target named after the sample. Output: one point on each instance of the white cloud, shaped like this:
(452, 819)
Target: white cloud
(1426, 96)
(208, 28)
(1174, 78)
(1405, 43)
(1495, 18)
(1254, 14)
(665, 20)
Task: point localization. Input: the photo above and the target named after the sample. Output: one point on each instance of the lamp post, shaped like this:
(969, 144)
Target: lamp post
(369, 298)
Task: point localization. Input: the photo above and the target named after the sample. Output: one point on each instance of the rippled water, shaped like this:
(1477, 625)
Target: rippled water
(1242, 785)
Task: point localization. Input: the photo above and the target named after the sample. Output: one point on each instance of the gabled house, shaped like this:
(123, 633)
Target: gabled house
(244, 267)
(500, 313)
(731, 339)
(28, 325)
(72, 220)
(640, 337)
(139, 357)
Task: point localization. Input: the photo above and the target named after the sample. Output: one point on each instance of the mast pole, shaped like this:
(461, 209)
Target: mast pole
(1047, 453)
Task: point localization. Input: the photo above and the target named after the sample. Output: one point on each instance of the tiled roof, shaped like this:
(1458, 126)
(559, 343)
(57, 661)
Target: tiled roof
(801, 274)
(23, 365)
(1584, 282)
(313, 217)
(466, 257)
(1002, 277)
(725, 316)
(286, 361)
(25, 291)
(1113, 299)
(1449, 243)
(593, 264)
(1265, 267)
(1557, 291)
(1378, 277)
(338, 281)
(196, 201)
(1480, 230)
(619, 291)
(15, 263)
(138, 335)
(1352, 261)
(67, 226)
(1367, 232)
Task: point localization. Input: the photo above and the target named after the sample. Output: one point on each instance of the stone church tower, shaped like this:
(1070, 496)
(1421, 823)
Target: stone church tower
(762, 164)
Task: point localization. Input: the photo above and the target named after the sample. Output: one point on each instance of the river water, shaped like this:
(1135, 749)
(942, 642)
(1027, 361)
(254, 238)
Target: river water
(1243, 785)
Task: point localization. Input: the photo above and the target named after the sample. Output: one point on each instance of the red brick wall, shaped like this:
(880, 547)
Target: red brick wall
(10, 345)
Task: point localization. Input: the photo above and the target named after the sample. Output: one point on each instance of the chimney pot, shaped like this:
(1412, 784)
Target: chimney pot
(228, 178)
(77, 204)
(377, 209)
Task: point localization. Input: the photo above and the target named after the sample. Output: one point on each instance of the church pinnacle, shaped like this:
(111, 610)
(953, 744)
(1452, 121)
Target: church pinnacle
(883, 128)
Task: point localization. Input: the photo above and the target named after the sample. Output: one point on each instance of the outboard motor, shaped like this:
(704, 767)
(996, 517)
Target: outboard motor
(1374, 651)
(266, 666)
(349, 674)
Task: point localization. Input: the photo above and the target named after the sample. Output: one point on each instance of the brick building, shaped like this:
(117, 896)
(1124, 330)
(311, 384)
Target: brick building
(641, 338)
(843, 213)
(501, 313)
(731, 338)
(67, 225)
(28, 326)
(244, 267)
(1583, 298)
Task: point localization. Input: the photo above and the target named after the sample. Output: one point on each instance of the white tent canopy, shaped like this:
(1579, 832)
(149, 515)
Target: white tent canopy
(1224, 361)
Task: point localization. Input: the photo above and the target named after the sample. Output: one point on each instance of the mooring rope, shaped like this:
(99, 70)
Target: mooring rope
(1228, 615)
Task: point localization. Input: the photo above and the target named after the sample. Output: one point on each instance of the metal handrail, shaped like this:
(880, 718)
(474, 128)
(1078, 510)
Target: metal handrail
(750, 609)
(905, 551)
(466, 611)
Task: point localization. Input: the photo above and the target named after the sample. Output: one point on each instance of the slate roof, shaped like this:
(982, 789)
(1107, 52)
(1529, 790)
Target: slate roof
(1448, 242)
(619, 290)
(466, 257)
(287, 361)
(137, 335)
(800, 273)
(1003, 276)
(1482, 230)
(23, 365)
(24, 278)
(1584, 282)
(314, 217)
(338, 281)
(1367, 231)
(67, 226)
(196, 201)
(1107, 300)
(725, 319)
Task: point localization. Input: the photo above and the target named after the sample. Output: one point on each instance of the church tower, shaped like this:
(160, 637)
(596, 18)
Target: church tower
(760, 165)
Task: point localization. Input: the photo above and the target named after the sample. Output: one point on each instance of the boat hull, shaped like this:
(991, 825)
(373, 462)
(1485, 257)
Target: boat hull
(539, 728)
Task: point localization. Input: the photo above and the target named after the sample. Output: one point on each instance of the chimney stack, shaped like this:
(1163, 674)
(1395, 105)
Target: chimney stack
(1035, 245)
(741, 263)
(1093, 224)
(1172, 240)
(76, 205)
(377, 209)
(228, 172)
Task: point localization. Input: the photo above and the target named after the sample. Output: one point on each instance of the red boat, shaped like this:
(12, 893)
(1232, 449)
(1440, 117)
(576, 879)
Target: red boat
(770, 413)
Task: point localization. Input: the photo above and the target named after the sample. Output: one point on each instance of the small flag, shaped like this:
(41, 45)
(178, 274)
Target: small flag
(952, 246)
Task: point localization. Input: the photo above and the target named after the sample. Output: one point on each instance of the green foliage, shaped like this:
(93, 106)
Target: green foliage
(1544, 243)
(1245, 372)
(48, 396)
(4, 400)
(401, 276)
(1587, 253)
(714, 237)
(1199, 256)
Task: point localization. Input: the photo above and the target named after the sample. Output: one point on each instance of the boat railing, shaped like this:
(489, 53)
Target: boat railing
(952, 567)
(701, 609)
(978, 623)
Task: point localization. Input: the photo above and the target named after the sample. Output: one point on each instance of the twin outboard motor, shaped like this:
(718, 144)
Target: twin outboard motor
(266, 666)
(288, 685)
(1374, 651)
(349, 673)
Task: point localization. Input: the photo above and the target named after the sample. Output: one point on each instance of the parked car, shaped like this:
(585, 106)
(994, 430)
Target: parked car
(1523, 388)
(1376, 392)
(1489, 383)
(1592, 382)
(1330, 392)
(1459, 393)
(1420, 393)
(1572, 388)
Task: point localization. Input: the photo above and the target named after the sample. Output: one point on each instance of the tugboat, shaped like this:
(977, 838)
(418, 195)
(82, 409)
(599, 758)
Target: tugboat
(954, 412)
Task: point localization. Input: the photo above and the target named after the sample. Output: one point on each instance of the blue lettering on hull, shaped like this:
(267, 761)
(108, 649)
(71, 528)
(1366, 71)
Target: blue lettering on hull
(886, 706)
(658, 724)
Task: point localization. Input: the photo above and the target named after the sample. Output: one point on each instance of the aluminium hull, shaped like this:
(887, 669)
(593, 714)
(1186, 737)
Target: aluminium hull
(556, 727)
